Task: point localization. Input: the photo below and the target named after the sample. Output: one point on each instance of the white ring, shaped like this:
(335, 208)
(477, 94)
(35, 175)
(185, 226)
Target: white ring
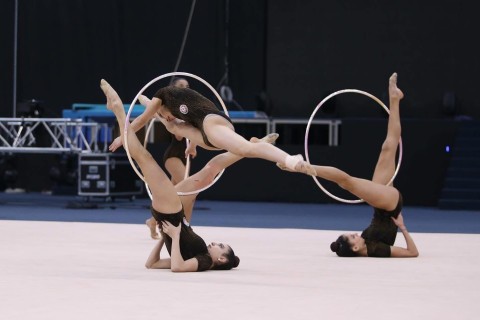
(308, 130)
(127, 124)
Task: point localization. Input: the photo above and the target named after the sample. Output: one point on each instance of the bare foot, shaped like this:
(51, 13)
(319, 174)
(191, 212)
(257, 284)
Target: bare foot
(393, 91)
(113, 99)
(306, 168)
(283, 167)
(297, 164)
(152, 224)
(269, 138)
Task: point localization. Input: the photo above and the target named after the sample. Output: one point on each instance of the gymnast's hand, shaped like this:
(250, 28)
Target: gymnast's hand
(171, 230)
(115, 144)
(191, 150)
(399, 221)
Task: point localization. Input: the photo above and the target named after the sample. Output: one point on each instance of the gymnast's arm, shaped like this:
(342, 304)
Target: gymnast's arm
(411, 251)
(177, 262)
(154, 261)
(135, 125)
(140, 121)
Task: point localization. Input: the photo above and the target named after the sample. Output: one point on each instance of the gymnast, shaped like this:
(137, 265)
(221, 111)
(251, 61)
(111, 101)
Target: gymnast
(187, 113)
(188, 252)
(377, 240)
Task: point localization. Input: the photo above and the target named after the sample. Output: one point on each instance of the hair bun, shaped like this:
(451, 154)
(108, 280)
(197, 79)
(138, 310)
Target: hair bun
(236, 262)
(334, 246)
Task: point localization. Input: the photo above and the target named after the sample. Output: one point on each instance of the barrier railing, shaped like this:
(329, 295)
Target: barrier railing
(52, 135)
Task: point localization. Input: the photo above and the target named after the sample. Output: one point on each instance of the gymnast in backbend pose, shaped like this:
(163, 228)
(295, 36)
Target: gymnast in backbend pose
(187, 113)
(377, 240)
(188, 252)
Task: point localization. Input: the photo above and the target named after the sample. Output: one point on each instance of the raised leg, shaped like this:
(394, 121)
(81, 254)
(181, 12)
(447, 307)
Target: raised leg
(164, 196)
(385, 167)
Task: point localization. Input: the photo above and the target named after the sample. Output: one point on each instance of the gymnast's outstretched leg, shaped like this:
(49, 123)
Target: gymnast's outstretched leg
(164, 196)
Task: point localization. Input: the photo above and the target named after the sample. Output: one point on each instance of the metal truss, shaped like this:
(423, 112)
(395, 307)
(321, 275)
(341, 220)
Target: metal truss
(52, 135)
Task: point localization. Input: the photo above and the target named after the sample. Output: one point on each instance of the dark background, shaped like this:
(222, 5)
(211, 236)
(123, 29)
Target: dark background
(292, 54)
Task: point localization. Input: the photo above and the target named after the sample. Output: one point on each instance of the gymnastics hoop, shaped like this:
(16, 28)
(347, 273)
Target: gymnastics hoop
(127, 124)
(307, 131)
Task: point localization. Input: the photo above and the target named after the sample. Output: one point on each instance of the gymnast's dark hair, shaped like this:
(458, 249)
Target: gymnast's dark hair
(342, 248)
(233, 261)
(198, 106)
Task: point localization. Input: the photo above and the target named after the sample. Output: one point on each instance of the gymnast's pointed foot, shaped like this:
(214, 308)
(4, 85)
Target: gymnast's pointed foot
(394, 92)
(269, 138)
(283, 167)
(152, 225)
(113, 99)
(306, 168)
(297, 164)
(144, 101)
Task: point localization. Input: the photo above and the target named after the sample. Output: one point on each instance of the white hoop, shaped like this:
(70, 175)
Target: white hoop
(308, 130)
(127, 124)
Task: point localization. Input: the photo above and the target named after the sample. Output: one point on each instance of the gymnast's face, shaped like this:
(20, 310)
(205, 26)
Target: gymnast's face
(181, 83)
(161, 110)
(354, 240)
(218, 251)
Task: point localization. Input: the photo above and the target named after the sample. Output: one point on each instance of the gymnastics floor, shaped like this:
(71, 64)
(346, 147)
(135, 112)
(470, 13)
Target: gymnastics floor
(64, 263)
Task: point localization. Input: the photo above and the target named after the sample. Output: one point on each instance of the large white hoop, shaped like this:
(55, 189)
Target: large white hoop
(307, 131)
(127, 124)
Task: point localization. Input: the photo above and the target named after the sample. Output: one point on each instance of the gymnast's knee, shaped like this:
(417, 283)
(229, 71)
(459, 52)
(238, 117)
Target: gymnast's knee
(389, 145)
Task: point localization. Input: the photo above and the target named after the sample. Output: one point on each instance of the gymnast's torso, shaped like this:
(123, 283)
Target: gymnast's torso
(191, 244)
(382, 231)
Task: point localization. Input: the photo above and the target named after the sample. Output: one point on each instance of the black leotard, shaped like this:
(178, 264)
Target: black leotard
(191, 244)
(382, 231)
(190, 106)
